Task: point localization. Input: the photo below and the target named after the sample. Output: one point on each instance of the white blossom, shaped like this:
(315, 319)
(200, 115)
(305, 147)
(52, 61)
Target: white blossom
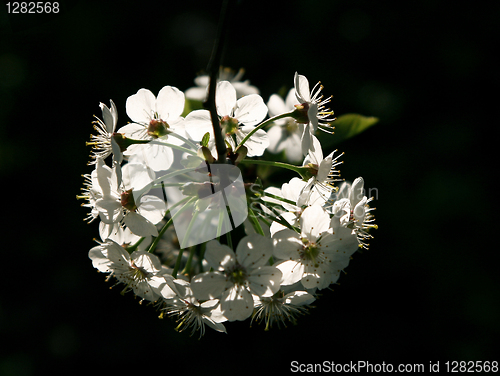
(315, 256)
(323, 171)
(312, 102)
(155, 118)
(311, 227)
(286, 133)
(139, 272)
(191, 312)
(237, 276)
(238, 117)
(103, 143)
(115, 205)
(351, 204)
(282, 307)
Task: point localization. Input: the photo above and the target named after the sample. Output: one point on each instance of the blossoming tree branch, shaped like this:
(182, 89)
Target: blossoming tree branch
(186, 223)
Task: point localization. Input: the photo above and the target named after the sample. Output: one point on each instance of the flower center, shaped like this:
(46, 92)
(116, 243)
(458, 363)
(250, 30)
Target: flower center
(237, 274)
(310, 251)
(158, 128)
(138, 273)
(127, 200)
(229, 125)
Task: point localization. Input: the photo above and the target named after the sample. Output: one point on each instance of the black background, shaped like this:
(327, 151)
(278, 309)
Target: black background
(428, 288)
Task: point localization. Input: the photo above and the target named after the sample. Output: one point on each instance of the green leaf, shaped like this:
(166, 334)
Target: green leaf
(347, 126)
(205, 139)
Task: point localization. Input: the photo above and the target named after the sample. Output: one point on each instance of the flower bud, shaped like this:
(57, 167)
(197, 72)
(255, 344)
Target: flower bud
(205, 153)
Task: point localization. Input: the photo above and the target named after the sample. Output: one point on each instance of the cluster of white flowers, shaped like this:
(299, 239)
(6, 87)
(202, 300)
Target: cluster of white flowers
(157, 179)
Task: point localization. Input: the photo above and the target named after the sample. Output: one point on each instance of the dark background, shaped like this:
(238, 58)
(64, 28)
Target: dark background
(428, 288)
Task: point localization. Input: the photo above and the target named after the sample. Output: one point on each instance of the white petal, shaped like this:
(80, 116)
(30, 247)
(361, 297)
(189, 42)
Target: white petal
(134, 130)
(225, 98)
(110, 209)
(170, 103)
(292, 271)
(264, 281)
(291, 99)
(109, 116)
(141, 106)
(152, 208)
(136, 174)
(315, 155)
(208, 285)
(291, 191)
(287, 244)
(302, 88)
(357, 192)
(307, 140)
(254, 250)
(197, 93)
(147, 261)
(197, 123)
(277, 136)
(299, 298)
(219, 256)
(99, 260)
(250, 110)
(216, 313)
(311, 277)
(360, 210)
(140, 225)
(256, 144)
(324, 168)
(314, 221)
(291, 218)
(158, 157)
(276, 105)
(159, 283)
(237, 303)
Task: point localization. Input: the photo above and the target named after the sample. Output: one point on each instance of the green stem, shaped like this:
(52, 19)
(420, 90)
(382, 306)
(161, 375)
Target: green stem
(189, 261)
(213, 72)
(229, 240)
(266, 194)
(302, 171)
(282, 221)
(187, 141)
(181, 148)
(255, 222)
(262, 125)
(186, 200)
(132, 248)
(156, 183)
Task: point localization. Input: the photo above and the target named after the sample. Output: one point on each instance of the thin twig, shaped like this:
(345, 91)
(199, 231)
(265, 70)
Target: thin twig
(213, 71)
